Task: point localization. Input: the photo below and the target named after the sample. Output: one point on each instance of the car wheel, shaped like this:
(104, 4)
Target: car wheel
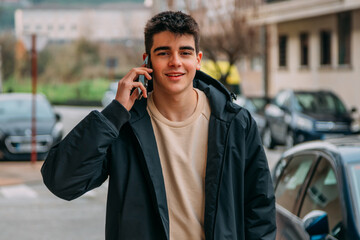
(290, 141)
(267, 138)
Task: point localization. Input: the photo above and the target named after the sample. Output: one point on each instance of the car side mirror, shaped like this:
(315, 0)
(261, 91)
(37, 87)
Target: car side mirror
(57, 117)
(316, 223)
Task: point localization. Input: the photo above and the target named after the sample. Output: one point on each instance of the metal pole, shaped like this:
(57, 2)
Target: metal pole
(33, 107)
(1, 80)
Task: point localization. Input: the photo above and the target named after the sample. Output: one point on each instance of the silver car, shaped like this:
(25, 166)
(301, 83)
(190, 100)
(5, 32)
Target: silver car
(16, 126)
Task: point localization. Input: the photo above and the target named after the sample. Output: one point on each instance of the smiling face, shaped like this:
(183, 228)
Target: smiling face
(174, 61)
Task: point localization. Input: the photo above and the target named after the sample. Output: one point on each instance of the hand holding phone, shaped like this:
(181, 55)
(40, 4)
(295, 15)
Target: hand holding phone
(143, 79)
(129, 87)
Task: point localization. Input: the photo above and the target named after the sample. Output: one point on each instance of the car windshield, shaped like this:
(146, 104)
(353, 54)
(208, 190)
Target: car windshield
(259, 103)
(20, 109)
(320, 102)
(354, 170)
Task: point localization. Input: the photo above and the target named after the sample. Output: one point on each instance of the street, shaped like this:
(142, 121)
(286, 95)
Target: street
(28, 211)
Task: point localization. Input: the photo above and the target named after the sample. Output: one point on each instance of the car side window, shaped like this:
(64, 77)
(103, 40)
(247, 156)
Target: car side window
(291, 181)
(323, 194)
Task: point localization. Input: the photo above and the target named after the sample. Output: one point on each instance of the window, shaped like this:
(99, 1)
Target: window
(282, 50)
(325, 46)
(344, 37)
(354, 176)
(291, 181)
(323, 194)
(319, 102)
(304, 49)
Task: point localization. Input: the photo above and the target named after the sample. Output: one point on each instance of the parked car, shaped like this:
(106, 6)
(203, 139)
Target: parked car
(298, 116)
(256, 106)
(110, 94)
(16, 128)
(317, 189)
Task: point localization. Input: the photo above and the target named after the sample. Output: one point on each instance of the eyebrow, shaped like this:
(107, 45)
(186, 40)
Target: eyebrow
(168, 48)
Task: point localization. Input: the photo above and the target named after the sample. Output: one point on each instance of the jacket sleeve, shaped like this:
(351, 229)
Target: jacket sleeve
(79, 162)
(260, 213)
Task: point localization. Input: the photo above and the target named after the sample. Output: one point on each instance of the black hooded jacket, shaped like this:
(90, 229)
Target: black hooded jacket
(121, 146)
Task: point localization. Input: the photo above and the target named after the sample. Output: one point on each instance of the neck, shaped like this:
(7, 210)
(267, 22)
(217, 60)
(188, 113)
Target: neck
(176, 108)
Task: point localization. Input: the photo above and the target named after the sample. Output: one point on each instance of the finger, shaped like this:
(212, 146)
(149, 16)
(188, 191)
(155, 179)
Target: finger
(134, 96)
(142, 88)
(134, 75)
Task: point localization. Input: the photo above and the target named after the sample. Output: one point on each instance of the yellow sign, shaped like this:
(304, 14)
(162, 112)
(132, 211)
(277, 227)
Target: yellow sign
(209, 68)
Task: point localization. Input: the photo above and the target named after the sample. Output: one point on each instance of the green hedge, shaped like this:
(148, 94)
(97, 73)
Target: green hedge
(82, 92)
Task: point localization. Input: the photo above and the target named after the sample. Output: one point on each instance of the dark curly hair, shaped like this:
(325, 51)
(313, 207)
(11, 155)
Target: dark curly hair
(178, 23)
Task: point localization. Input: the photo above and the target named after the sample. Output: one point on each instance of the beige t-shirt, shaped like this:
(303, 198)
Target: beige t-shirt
(182, 148)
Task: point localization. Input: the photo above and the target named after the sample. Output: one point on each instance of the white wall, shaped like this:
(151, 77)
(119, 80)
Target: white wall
(95, 24)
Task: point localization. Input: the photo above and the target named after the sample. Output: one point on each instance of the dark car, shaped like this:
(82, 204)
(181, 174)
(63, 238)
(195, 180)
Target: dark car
(256, 106)
(317, 189)
(298, 116)
(16, 128)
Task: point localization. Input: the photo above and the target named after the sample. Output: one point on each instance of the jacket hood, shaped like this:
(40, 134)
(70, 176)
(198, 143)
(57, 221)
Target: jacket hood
(220, 99)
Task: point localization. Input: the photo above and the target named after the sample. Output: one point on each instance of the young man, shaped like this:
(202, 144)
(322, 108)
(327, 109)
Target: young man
(183, 162)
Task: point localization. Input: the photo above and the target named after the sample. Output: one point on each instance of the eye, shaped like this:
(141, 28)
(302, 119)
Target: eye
(186, 53)
(162, 53)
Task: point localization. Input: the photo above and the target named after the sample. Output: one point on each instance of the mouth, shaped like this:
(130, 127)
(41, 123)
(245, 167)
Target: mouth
(174, 75)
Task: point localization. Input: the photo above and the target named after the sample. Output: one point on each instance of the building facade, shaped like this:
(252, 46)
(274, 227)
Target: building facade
(313, 44)
(106, 22)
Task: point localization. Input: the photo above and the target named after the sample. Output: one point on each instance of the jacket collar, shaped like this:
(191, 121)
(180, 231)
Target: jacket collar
(219, 97)
(142, 127)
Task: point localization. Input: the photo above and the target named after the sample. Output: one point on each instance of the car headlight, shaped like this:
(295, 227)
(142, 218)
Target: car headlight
(355, 126)
(304, 123)
(57, 130)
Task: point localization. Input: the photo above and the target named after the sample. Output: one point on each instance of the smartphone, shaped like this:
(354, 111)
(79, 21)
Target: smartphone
(142, 78)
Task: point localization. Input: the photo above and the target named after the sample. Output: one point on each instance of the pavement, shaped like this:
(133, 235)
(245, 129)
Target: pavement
(13, 173)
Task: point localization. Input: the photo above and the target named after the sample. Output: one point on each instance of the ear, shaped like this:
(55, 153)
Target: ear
(198, 58)
(144, 56)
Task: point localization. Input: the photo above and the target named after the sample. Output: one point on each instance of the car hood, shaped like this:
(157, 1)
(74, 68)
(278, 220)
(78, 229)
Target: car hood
(23, 127)
(329, 117)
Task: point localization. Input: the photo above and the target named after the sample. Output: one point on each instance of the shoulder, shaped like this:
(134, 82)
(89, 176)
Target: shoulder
(243, 123)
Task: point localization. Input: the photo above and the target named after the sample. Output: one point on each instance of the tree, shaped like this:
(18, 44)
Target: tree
(7, 42)
(226, 33)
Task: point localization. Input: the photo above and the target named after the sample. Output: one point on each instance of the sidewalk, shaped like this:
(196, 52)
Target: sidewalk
(12, 173)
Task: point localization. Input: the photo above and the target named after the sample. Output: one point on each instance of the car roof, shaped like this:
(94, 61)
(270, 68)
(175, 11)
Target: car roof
(312, 91)
(347, 147)
(12, 96)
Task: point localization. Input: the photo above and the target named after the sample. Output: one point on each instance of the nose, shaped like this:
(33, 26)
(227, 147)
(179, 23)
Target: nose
(175, 60)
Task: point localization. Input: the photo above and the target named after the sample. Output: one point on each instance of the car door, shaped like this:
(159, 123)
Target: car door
(322, 193)
(290, 177)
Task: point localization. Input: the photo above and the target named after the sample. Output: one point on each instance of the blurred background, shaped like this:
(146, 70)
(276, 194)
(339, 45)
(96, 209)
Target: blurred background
(294, 64)
(255, 47)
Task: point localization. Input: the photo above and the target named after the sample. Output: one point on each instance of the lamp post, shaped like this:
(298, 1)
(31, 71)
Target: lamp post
(34, 90)
(1, 81)
(32, 44)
